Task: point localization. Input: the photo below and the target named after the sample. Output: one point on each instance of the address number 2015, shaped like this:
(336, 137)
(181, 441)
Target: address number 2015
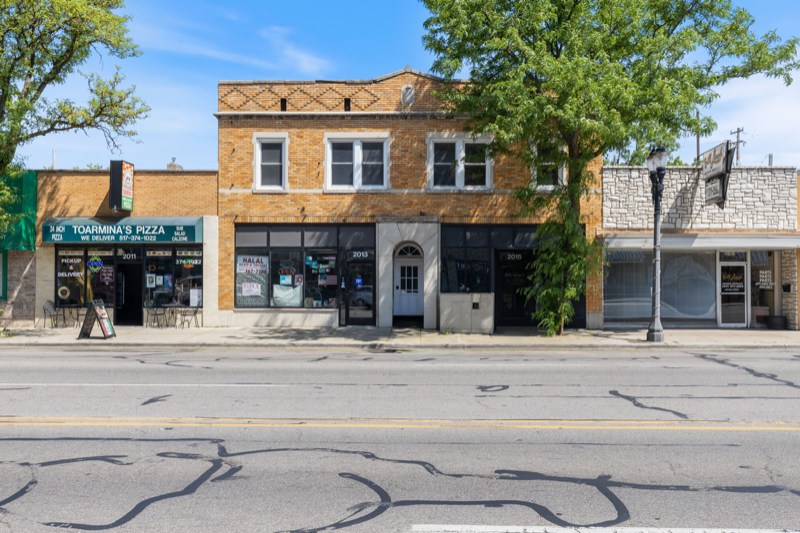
(360, 255)
(513, 257)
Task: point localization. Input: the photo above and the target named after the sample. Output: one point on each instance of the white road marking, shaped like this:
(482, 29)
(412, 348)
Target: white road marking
(2, 385)
(548, 529)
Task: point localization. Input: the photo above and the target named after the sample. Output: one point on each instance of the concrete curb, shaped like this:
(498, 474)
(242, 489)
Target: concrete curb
(398, 346)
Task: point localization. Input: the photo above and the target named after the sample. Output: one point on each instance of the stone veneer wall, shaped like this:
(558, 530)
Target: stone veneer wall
(759, 198)
(20, 305)
(789, 299)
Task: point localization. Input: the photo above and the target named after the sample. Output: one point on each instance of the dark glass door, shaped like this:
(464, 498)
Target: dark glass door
(129, 295)
(733, 292)
(511, 308)
(360, 294)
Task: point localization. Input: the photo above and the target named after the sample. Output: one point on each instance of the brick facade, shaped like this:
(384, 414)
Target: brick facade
(314, 109)
(157, 193)
(19, 305)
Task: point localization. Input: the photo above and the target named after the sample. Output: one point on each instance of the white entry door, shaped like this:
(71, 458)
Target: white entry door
(408, 287)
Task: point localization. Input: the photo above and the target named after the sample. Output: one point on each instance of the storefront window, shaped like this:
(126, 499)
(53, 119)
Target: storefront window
(762, 286)
(159, 276)
(71, 277)
(286, 277)
(322, 278)
(189, 276)
(296, 265)
(688, 285)
(100, 273)
(466, 270)
(626, 293)
(252, 277)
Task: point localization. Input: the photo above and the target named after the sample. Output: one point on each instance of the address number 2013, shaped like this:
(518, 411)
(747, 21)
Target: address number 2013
(360, 255)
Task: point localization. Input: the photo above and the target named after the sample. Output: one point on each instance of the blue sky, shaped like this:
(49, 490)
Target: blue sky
(189, 46)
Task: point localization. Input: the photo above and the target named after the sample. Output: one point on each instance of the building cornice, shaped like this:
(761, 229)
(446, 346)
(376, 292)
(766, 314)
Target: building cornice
(335, 114)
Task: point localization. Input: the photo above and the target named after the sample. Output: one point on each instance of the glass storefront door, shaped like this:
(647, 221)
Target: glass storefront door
(733, 288)
(359, 294)
(511, 308)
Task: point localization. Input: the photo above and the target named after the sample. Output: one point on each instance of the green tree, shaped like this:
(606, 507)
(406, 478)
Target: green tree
(563, 82)
(42, 42)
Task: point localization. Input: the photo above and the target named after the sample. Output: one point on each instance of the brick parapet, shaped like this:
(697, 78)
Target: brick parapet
(157, 193)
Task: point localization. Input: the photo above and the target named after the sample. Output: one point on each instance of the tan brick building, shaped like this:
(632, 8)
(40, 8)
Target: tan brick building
(352, 202)
(163, 250)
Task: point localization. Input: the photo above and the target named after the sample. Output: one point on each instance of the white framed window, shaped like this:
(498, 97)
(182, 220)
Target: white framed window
(270, 161)
(357, 161)
(546, 174)
(457, 161)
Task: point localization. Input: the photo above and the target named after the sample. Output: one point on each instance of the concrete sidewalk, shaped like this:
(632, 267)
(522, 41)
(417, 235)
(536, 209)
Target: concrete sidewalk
(407, 338)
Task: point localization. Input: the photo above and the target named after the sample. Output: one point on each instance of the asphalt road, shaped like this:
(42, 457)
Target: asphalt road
(253, 440)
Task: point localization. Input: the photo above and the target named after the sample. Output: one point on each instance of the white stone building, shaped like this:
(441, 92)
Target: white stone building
(733, 265)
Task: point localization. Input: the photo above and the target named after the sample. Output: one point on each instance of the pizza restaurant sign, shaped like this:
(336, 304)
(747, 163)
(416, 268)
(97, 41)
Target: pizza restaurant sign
(93, 233)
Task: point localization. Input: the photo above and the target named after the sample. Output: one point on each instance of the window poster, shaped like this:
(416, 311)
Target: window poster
(195, 297)
(251, 289)
(151, 281)
(252, 264)
(167, 281)
(159, 281)
(286, 280)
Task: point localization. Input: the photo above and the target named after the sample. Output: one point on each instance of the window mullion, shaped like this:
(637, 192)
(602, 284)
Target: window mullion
(357, 164)
(460, 165)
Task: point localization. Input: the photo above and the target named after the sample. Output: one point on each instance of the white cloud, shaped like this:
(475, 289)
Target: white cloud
(304, 62)
(768, 112)
(171, 41)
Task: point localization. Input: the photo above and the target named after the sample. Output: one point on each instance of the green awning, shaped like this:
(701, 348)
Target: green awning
(129, 230)
(22, 235)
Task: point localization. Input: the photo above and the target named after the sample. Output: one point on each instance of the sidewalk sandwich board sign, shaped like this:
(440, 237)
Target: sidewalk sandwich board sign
(716, 172)
(97, 312)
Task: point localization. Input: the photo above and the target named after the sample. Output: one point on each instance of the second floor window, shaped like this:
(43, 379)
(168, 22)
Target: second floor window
(271, 164)
(270, 161)
(548, 174)
(357, 164)
(460, 164)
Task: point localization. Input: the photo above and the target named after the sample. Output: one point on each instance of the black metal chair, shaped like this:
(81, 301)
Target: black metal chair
(156, 314)
(188, 314)
(80, 314)
(50, 312)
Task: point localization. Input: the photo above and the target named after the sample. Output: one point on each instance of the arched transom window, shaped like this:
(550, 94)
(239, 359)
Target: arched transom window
(409, 251)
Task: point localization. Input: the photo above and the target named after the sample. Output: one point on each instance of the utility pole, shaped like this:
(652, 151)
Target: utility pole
(738, 132)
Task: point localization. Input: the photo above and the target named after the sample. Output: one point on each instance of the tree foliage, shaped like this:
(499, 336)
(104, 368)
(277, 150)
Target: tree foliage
(42, 42)
(562, 82)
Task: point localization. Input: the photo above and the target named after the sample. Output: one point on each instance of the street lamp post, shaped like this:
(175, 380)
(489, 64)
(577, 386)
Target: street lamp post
(657, 165)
